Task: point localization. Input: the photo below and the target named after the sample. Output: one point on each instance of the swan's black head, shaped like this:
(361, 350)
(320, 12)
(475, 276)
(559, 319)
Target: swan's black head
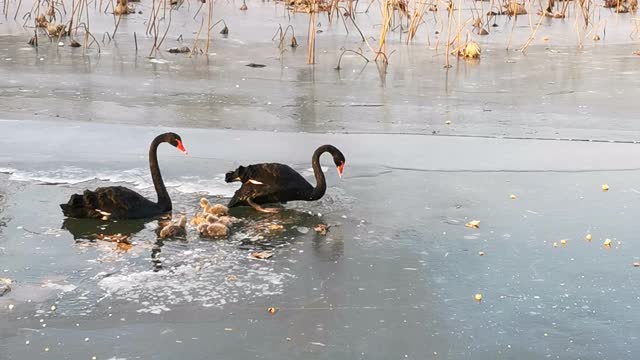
(235, 175)
(338, 157)
(175, 140)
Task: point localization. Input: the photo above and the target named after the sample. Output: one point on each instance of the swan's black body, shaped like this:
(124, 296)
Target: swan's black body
(279, 183)
(118, 202)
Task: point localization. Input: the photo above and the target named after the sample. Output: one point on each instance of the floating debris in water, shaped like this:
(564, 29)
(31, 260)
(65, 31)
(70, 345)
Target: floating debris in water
(321, 229)
(512, 197)
(636, 264)
(179, 50)
(262, 254)
(563, 242)
(607, 243)
(481, 253)
(588, 237)
(478, 297)
(272, 310)
(5, 286)
(605, 187)
(254, 65)
(474, 224)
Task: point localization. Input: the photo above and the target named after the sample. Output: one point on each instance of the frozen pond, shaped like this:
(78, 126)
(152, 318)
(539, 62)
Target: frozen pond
(396, 275)
(522, 143)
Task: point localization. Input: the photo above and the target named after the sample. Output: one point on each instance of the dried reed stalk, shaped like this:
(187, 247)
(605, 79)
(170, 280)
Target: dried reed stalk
(210, 16)
(532, 36)
(311, 53)
(416, 19)
(387, 16)
(447, 51)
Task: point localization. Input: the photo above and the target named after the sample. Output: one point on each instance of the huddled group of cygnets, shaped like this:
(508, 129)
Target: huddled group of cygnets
(267, 183)
(212, 222)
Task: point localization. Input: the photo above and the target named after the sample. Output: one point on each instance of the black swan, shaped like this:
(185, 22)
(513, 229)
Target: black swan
(279, 183)
(118, 202)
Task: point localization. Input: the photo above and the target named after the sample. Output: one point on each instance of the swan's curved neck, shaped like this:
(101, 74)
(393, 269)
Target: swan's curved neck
(164, 201)
(321, 183)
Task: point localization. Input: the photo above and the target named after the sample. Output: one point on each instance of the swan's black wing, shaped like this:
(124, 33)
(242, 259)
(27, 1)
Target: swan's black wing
(268, 183)
(270, 173)
(116, 202)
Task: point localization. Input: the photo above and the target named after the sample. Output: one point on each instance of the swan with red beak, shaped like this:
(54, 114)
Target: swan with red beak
(270, 183)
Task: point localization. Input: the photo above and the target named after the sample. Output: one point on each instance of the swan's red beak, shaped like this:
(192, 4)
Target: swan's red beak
(181, 147)
(340, 170)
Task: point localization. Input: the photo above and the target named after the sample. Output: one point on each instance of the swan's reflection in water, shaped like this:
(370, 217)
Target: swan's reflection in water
(119, 232)
(156, 261)
(93, 229)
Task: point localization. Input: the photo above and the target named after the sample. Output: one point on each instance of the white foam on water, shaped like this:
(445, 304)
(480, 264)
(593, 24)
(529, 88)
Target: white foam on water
(65, 175)
(138, 177)
(196, 276)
